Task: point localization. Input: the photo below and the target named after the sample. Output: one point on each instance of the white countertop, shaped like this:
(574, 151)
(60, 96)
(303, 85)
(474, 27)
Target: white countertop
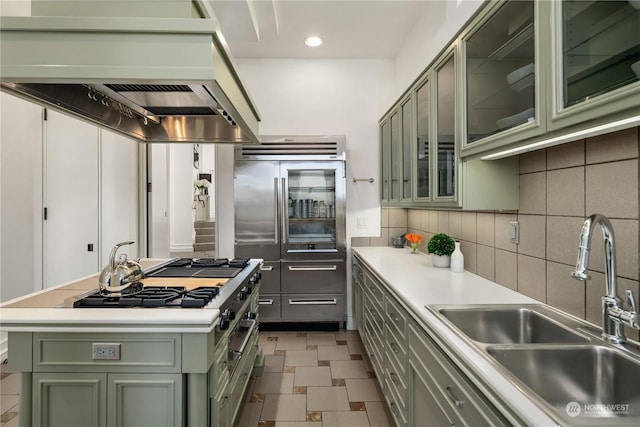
(42, 312)
(417, 283)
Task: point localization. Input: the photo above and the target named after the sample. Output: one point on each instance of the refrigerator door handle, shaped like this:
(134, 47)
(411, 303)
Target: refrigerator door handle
(276, 232)
(285, 212)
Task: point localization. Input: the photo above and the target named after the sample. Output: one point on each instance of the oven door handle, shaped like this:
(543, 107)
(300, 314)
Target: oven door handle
(322, 301)
(245, 323)
(313, 268)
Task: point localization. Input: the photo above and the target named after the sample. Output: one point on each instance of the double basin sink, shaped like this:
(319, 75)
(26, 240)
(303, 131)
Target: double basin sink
(557, 360)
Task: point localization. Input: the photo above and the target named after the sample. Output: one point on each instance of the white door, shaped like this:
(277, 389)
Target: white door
(119, 195)
(158, 202)
(71, 199)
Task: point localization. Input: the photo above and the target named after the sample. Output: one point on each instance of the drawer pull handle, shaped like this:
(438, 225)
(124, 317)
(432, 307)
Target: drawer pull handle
(394, 408)
(394, 378)
(330, 301)
(224, 402)
(394, 317)
(266, 268)
(312, 268)
(394, 347)
(265, 302)
(223, 366)
(458, 402)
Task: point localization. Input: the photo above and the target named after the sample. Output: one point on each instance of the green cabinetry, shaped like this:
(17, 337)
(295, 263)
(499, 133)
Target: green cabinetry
(420, 383)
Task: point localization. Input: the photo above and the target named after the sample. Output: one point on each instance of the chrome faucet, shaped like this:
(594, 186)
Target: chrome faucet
(614, 316)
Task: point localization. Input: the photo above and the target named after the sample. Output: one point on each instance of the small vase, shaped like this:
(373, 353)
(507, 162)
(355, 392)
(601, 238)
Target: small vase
(440, 260)
(414, 248)
(457, 259)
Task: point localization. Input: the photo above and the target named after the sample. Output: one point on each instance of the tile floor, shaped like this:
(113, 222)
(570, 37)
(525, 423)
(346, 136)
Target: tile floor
(313, 379)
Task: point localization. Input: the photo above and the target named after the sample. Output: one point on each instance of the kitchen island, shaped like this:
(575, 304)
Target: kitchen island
(133, 366)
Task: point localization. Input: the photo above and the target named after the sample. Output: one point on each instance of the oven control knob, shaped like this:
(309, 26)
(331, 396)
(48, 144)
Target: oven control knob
(224, 323)
(249, 290)
(231, 314)
(242, 295)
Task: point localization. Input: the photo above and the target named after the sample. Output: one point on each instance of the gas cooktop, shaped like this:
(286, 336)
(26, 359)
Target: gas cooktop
(202, 267)
(153, 296)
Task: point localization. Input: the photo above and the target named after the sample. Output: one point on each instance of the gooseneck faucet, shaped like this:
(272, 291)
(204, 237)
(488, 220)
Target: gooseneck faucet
(614, 316)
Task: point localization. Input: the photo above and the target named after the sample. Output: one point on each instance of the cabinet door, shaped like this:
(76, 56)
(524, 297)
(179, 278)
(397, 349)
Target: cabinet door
(407, 144)
(446, 130)
(597, 49)
(394, 157)
(423, 405)
(136, 400)
(385, 147)
(69, 399)
(71, 199)
(422, 141)
(119, 194)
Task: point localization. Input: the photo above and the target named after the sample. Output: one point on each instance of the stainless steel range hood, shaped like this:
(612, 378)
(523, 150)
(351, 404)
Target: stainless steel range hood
(153, 79)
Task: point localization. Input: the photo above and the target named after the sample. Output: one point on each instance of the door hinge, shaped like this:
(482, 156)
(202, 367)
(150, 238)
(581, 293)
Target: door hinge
(44, 114)
(148, 187)
(45, 214)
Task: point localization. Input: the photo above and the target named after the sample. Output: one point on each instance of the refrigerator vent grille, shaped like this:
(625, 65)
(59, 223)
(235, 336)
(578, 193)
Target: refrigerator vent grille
(324, 149)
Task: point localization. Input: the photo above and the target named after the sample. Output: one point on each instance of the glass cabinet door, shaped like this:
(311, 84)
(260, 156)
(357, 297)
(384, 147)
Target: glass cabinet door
(385, 139)
(406, 150)
(446, 159)
(600, 47)
(500, 72)
(311, 195)
(395, 157)
(422, 141)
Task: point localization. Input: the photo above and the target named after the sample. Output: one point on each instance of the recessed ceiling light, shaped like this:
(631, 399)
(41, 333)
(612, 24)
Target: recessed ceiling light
(313, 41)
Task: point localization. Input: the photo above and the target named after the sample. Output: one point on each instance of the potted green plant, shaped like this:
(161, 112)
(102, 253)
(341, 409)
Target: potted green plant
(441, 247)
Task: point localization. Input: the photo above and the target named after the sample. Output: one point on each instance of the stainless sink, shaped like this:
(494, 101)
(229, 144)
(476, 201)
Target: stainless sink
(557, 360)
(581, 383)
(506, 325)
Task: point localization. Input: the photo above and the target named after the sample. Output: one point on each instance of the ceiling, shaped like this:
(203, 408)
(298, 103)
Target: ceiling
(350, 28)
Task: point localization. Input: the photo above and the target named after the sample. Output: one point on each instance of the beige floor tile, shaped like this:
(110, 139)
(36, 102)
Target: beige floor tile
(378, 414)
(250, 414)
(274, 382)
(363, 390)
(273, 363)
(291, 342)
(10, 384)
(333, 352)
(284, 407)
(301, 358)
(312, 376)
(298, 424)
(355, 347)
(13, 422)
(348, 335)
(345, 419)
(268, 347)
(348, 369)
(327, 399)
(321, 338)
(8, 401)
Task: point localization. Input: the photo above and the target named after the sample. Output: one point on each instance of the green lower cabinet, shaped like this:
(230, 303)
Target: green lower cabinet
(100, 399)
(69, 399)
(144, 400)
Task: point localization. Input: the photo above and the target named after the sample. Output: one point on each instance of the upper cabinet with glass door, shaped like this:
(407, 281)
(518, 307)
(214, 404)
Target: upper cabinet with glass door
(395, 129)
(501, 75)
(597, 52)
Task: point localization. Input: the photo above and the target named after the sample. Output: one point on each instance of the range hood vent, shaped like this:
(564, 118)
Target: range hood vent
(331, 147)
(152, 79)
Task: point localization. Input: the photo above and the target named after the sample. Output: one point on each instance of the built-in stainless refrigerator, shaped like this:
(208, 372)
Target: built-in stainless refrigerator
(290, 211)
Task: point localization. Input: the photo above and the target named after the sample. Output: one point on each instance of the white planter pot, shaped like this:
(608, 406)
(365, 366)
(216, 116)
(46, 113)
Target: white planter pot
(440, 260)
(201, 205)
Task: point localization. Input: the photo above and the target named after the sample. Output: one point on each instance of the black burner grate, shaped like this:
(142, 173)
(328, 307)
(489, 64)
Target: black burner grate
(154, 296)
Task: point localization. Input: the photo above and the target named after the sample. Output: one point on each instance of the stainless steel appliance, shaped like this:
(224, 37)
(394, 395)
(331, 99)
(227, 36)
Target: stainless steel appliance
(290, 211)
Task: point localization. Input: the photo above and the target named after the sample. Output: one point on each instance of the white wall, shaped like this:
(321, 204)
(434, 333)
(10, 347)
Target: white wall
(181, 197)
(435, 29)
(317, 97)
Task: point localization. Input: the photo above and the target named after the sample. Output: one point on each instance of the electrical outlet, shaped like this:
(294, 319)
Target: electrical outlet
(514, 231)
(362, 222)
(106, 351)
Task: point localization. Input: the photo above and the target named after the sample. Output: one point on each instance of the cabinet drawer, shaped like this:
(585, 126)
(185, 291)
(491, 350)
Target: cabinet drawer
(373, 290)
(314, 277)
(375, 314)
(219, 371)
(270, 281)
(137, 352)
(373, 347)
(395, 393)
(396, 316)
(313, 307)
(396, 355)
(465, 401)
(269, 307)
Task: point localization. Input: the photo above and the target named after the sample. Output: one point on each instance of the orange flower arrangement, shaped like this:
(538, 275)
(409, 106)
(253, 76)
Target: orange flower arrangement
(415, 240)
